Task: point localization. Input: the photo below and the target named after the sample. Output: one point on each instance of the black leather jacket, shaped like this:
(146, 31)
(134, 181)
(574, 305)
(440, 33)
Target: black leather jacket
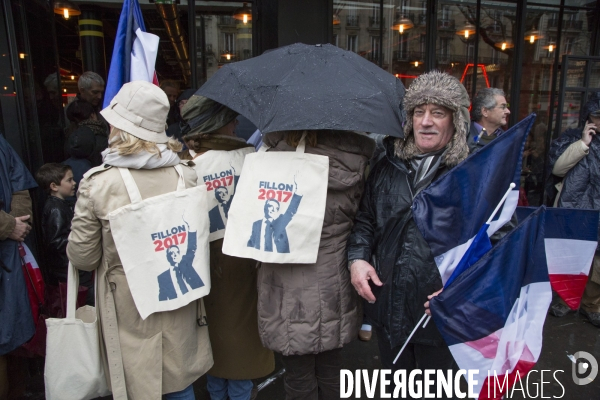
(386, 235)
(56, 227)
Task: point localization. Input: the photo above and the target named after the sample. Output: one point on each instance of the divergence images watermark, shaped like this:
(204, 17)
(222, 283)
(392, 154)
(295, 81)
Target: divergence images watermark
(431, 384)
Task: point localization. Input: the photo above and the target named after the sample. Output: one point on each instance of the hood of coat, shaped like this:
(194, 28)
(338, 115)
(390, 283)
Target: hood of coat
(202, 142)
(591, 106)
(345, 141)
(445, 90)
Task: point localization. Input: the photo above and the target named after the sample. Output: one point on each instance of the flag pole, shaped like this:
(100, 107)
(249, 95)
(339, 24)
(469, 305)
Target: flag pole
(410, 336)
(510, 188)
(427, 321)
(428, 317)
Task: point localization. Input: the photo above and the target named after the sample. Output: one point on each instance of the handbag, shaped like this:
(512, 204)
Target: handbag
(278, 211)
(162, 242)
(36, 346)
(74, 368)
(220, 171)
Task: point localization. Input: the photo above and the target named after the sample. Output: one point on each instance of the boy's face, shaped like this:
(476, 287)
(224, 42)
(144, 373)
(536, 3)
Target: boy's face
(66, 187)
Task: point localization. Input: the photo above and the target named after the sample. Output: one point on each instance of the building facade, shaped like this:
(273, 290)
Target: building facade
(544, 55)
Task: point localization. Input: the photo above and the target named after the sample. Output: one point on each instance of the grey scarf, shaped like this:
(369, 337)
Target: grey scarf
(426, 166)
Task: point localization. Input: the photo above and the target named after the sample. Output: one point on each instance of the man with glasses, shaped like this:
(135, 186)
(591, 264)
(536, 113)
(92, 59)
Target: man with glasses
(489, 114)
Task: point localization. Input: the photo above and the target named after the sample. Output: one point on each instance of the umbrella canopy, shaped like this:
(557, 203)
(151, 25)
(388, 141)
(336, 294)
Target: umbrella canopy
(310, 87)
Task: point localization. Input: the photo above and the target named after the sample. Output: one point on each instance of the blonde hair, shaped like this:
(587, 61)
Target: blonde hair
(292, 138)
(126, 144)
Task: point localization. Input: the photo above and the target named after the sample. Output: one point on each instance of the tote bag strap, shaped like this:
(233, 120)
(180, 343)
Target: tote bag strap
(302, 143)
(72, 289)
(299, 149)
(134, 192)
(263, 148)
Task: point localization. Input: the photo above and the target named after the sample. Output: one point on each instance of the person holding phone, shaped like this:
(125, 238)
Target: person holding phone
(575, 157)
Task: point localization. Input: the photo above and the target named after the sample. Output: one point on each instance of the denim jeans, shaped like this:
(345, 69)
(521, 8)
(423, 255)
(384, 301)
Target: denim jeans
(219, 388)
(185, 394)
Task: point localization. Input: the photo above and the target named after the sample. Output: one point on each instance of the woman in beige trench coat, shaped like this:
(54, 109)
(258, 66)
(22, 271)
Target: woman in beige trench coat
(168, 351)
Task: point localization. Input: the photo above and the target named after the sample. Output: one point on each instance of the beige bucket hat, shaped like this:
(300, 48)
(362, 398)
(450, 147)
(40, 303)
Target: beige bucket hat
(140, 109)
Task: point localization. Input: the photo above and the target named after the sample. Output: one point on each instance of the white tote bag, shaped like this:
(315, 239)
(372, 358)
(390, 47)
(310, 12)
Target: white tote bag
(163, 244)
(220, 171)
(74, 369)
(277, 213)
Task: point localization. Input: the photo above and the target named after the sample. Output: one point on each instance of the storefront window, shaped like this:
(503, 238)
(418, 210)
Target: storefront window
(406, 42)
(27, 117)
(455, 43)
(47, 83)
(357, 28)
(9, 123)
(223, 38)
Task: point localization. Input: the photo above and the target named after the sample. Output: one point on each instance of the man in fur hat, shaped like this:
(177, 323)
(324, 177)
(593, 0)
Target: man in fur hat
(385, 246)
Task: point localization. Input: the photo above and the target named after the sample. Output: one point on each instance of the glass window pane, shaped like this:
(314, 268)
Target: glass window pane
(496, 46)
(224, 38)
(455, 45)
(595, 75)
(9, 123)
(356, 28)
(576, 73)
(404, 37)
(571, 109)
(580, 3)
(28, 85)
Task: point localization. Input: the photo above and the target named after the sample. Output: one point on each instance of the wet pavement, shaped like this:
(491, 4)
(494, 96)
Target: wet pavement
(563, 337)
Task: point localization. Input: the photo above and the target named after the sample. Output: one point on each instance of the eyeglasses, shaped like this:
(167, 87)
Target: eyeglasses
(503, 106)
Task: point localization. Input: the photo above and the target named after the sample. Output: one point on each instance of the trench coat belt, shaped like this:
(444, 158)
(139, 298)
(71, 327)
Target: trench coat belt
(113, 346)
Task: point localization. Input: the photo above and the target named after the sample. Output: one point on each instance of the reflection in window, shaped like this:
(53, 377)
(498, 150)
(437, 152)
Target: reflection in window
(402, 49)
(223, 39)
(374, 48)
(569, 45)
(352, 43)
(229, 42)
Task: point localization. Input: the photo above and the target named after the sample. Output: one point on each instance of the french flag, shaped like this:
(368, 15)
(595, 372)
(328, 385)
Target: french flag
(571, 239)
(134, 54)
(492, 316)
(452, 210)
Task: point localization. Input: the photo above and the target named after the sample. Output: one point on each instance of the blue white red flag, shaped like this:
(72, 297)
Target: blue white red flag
(571, 239)
(492, 316)
(451, 211)
(134, 54)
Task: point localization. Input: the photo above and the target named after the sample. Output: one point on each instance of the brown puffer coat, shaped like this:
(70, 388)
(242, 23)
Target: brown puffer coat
(311, 308)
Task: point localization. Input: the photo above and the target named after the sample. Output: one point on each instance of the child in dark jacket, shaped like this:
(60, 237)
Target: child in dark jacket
(57, 180)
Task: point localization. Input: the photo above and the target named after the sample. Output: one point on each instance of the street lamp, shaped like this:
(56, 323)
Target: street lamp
(467, 30)
(243, 14)
(532, 35)
(66, 8)
(402, 24)
(505, 44)
(550, 47)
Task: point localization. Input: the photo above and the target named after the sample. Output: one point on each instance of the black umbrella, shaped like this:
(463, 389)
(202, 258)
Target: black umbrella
(310, 87)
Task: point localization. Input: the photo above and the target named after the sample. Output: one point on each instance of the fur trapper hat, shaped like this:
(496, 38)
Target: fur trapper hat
(445, 90)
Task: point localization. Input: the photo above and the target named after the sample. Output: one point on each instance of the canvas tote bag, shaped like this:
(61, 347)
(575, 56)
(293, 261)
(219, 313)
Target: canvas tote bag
(220, 171)
(74, 369)
(163, 244)
(278, 211)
